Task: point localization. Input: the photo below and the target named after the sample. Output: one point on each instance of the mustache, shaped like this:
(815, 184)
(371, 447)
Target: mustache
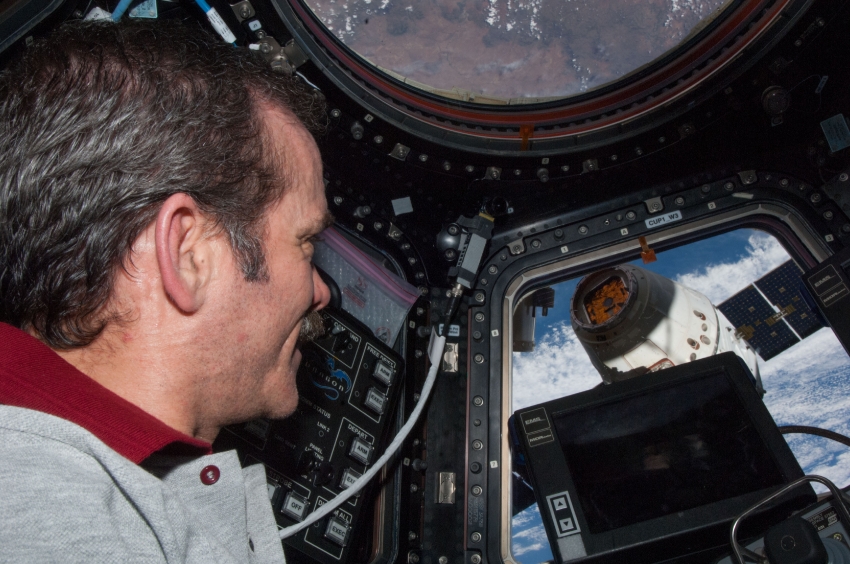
(312, 327)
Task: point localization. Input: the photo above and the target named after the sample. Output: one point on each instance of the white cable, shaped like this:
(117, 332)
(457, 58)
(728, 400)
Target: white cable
(435, 354)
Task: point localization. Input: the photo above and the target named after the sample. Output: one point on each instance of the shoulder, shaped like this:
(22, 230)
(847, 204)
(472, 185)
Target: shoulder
(59, 498)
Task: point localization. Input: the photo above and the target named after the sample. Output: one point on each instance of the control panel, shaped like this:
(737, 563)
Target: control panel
(348, 384)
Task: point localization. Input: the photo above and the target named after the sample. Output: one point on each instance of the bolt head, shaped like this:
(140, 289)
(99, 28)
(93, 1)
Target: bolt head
(827, 215)
(479, 317)
(475, 559)
(478, 401)
(479, 358)
(479, 297)
(631, 215)
(477, 490)
(443, 560)
(475, 537)
(680, 201)
(583, 229)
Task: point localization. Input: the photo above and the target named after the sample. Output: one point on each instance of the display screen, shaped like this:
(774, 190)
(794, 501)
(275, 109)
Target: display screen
(663, 451)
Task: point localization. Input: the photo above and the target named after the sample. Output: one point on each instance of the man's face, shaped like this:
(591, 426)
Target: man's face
(262, 320)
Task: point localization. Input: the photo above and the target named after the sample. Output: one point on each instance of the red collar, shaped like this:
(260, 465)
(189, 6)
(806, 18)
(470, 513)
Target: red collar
(34, 377)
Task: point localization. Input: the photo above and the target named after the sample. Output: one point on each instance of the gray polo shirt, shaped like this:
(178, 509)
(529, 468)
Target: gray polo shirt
(67, 497)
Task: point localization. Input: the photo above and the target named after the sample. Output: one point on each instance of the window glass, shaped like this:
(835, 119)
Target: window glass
(805, 385)
(490, 51)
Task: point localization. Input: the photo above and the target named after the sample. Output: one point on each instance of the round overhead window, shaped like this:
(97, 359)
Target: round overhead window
(512, 51)
(506, 76)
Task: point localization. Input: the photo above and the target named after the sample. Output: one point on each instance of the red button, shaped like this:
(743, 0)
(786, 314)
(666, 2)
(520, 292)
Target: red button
(210, 475)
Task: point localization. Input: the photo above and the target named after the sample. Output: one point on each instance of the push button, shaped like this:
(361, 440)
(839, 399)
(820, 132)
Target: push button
(294, 506)
(349, 476)
(337, 531)
(383, 374)
(375, 401)
(360, 450)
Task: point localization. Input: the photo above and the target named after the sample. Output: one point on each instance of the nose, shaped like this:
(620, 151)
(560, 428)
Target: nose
(321, 292)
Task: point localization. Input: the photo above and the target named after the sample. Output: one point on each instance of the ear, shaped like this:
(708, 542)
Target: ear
(183, 252)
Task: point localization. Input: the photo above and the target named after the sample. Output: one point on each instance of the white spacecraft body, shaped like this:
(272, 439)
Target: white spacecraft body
(632, 321)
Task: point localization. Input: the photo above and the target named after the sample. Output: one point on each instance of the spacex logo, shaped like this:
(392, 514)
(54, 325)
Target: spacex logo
(563, 515)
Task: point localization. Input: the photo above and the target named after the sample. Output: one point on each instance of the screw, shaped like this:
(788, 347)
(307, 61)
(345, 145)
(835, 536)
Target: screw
(443, 560)
(614, 157)
(337, 200)
(655, 206)
(477, 490)
(536, 243)
(265, 48)
(423, 158)
(846, 228)
(335, 113)
(245, 12)
(680, 201)
(447, 166)
(378, 139)
(631, 215)
(827, 215)
(729, 186)
(450, 254)
(662, 139)
(479, 358)
(411, 260)
(420, 311)
(423, 290)
(638, 151)
(478, 401)
(413, 558)
(559, 234)
(517, 172)
(414, 488)
(378, 226)
(843, 177)
(705, 189)
(475, 467)
(476, 335)
(543, 174)
(815, 198)
(784, 183)
(475, 537)
(565, 168)
(583, 230)
(411, 536)
(357, 131)
(479, 317)
(798, 43)
(453, 230)
(418, 354)
(493, 269)
(479, 297)
(475, 559)
(470, 168)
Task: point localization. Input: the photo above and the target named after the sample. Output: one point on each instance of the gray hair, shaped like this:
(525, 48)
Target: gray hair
(99, 124)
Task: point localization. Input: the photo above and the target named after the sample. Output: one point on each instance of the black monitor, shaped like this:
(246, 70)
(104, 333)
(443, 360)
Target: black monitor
(656, 467)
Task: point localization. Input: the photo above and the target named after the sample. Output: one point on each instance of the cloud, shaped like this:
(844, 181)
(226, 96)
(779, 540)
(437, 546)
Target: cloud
(557, 367)
(533, 538)
(722, 280)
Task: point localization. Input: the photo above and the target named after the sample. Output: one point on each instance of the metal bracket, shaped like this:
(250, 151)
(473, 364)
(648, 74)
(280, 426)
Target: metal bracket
(654, 205)
(446, 488)
(400, 152)
(243, 10)
(516, 247)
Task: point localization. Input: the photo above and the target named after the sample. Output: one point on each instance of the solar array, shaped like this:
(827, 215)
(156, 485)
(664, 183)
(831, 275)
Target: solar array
(771, 313)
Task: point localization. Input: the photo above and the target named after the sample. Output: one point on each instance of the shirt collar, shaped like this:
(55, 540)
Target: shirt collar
(33, 376)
